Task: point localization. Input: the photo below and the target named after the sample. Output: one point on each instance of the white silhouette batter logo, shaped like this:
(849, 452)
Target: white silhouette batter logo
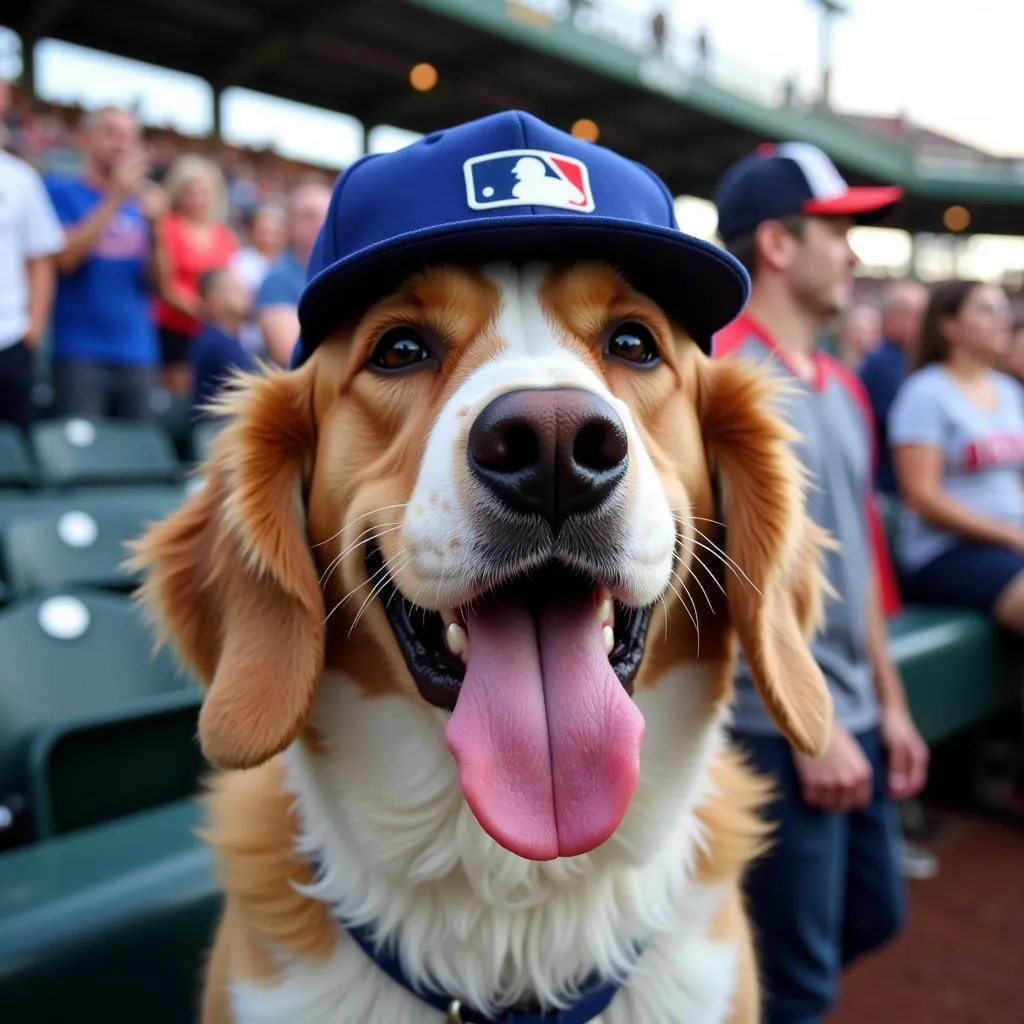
(527, 177)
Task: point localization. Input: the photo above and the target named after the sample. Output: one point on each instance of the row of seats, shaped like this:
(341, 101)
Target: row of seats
(94, 724)
(74, 452)
(76, 491)
(83, 700)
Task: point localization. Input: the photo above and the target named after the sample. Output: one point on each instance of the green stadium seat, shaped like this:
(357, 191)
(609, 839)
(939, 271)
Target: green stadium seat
(69, 548)
(203, 435)
(79, 452)
(174, 416)
(111, 923)
(16, 466)
(77, 767)
(68, 656)
(957, 667)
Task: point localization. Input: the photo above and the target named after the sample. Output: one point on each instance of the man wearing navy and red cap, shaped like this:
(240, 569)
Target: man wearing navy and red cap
(830, 889)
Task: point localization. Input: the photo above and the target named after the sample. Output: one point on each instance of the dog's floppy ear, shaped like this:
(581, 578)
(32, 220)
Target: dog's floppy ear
(778, 605)
(230, 580)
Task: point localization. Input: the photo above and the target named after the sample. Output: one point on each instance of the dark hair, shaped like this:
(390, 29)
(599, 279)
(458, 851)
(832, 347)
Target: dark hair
(947, 300)
(744, 248)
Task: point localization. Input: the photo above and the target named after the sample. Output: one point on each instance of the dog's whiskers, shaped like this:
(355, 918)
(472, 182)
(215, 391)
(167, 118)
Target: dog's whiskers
(359, 519)
(702, 540)
(689, 548)
(366, 537)
(385, 578)
(355, 590)
(686, 608)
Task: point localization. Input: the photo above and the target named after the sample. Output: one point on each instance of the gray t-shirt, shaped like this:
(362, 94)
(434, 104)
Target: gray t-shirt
(982, 453)
(833, 418)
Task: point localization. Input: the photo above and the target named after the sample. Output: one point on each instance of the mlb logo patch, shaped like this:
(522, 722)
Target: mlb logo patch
(527, 177)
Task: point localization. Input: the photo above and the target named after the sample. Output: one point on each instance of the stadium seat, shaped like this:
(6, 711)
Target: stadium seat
(101, 766)
(68, 656)
(16, 468)
(110, 923)
(203, 434)
(69, 547)
(958, 667)
(78, 452)
(173, 415)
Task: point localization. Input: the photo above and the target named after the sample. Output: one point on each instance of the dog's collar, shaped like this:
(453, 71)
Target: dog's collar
(594, 999)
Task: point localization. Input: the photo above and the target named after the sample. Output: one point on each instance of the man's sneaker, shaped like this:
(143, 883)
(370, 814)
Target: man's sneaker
(916, 862)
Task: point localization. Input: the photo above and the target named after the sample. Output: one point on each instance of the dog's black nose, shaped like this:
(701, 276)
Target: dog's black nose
(550, 452)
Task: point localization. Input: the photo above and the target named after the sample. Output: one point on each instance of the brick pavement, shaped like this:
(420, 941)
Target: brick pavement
(961, 960)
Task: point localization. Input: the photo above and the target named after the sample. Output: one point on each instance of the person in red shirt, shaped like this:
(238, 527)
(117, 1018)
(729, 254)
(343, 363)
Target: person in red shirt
(191, 240)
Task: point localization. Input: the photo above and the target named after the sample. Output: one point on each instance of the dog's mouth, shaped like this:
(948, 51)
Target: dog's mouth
(434, 644)
(538, 676)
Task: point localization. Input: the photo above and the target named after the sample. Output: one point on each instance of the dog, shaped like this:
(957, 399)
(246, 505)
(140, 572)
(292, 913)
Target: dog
(466, 587)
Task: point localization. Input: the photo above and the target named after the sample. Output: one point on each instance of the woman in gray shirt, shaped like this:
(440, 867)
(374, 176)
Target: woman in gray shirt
(957, 436)
(956, 431)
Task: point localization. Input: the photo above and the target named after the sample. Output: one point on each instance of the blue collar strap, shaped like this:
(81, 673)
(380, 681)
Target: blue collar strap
(592, 1001)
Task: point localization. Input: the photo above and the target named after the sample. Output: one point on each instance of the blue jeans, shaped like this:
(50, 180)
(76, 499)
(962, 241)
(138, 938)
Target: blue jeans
(827, 892)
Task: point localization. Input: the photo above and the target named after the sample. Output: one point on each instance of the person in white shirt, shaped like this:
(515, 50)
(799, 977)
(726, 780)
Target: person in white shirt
(268, 233)
(30, 239)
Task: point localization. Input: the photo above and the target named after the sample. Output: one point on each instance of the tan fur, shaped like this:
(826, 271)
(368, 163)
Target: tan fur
(244, 575)
(252, 828)
(780, 603)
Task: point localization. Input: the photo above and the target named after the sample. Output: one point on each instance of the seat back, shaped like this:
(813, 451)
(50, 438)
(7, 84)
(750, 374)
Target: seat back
(106, 765)
(78, 452)
(16, 466)
(204, 433)
(68, 656)
(70, 548)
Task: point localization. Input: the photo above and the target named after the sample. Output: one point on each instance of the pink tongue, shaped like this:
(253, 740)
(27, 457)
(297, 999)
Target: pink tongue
(546, 739)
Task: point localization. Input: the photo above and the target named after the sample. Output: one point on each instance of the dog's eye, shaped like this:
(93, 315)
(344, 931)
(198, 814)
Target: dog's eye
(634, 343)
(400, 348)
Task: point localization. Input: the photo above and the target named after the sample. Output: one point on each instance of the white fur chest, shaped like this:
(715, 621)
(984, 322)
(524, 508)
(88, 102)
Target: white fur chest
(383, 814)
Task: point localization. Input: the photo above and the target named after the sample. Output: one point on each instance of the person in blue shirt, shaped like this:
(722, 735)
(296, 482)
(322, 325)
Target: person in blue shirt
(886, 368)
(278, 298)
(104, 340)
(217, 351)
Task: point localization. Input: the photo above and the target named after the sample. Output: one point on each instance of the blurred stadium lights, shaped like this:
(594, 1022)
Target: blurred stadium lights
(423, 77)
(586, 129)
(957, 218)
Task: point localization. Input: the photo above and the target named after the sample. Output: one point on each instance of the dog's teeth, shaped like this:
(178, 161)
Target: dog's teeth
(605, 612)
(608, 635)
(456, 638)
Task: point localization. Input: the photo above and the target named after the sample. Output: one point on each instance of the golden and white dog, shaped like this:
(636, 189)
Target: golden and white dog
(466, 589)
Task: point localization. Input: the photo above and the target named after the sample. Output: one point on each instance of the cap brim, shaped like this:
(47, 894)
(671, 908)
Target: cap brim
(702, 286)
(866, 204)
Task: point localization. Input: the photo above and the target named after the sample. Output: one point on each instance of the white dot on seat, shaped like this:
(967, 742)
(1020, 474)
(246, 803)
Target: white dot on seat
(63, 618)
(77, 529)
(80, 433)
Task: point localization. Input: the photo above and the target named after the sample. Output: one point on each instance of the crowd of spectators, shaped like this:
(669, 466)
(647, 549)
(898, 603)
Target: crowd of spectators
(146, 262)
(943, 369)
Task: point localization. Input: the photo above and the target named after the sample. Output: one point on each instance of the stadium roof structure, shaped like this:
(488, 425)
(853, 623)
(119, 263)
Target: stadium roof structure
(552, 57)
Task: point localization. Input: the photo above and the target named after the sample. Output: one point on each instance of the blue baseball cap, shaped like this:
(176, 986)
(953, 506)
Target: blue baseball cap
(793, 178)
(509, 187)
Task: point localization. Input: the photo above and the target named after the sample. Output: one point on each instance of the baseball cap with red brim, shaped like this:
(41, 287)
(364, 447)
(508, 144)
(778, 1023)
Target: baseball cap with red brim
(794, 178)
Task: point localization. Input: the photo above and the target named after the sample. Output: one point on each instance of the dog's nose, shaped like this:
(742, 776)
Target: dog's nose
(550, 452)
